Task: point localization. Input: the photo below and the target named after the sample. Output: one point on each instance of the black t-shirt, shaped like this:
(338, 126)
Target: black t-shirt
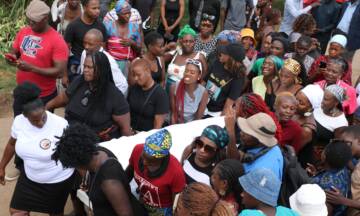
(95, 115)
(76, 31)
(221, 85)
(144, 7)
(142, 117)
(109, 170)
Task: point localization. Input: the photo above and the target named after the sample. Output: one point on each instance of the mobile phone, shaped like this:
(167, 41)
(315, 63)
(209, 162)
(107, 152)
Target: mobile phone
(10, 57)
(322, 64)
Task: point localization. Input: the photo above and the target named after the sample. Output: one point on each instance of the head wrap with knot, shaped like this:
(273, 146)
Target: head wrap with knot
(37, 10)
(228, 35)
(158, 144)
(314, 94)
(122, 6)
(294, 67)
(278, 62)
(337, 91)
(187, 30)
(216, 134)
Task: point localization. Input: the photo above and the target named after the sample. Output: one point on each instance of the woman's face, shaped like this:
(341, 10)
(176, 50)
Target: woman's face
(285, 109)
(304, 104)
(187, 43)
(239, 109)
(268, 67)
(219, 185)
(333, 73)
(206, 28)
(286, 77)
(248, 201)
(191, 74)
(267, 45)
(329, 101)
(141, 74)
(335, 50)
(205, 149)
(223, 58)
(277, 49)
(89, 71)
(124, 17)
(247, 42)
(92, 9)
(157, 48)
(37, 117)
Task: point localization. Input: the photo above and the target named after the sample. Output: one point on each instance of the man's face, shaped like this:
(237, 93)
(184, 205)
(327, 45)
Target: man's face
(38, 26)
(91, 44)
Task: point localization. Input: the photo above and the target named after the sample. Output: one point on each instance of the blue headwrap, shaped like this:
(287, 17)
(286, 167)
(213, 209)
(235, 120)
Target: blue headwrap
(158, 144)
(216, 134)
(122, 6)
(228, 35)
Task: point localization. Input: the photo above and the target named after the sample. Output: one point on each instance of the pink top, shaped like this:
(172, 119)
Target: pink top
(349, 105)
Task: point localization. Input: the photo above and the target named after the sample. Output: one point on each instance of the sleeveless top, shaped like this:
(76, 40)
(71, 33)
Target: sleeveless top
(156, 75)
(176, 72)
(191, 105)
(172, 9)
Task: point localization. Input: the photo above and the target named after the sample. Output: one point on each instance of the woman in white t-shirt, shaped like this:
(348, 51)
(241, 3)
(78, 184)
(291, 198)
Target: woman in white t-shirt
(43, 185)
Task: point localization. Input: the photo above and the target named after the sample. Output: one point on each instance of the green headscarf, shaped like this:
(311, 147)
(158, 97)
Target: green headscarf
(187, 30)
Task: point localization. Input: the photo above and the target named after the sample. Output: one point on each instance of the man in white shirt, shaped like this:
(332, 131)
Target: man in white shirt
(293, 9)
(93, 41)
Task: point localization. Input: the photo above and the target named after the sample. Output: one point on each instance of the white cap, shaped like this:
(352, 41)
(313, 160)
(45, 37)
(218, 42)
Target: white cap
(309, 200)
(340, 39)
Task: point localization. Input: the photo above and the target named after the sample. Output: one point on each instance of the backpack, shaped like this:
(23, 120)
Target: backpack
(293, 176)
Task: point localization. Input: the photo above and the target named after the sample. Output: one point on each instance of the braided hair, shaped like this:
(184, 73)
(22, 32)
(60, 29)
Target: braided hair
(230, 170)
(200, 199)
(252, 104)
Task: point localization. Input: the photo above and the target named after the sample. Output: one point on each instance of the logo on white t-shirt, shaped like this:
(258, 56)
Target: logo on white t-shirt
(45, 144)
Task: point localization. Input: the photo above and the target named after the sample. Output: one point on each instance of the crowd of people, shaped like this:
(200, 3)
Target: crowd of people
(286, 84)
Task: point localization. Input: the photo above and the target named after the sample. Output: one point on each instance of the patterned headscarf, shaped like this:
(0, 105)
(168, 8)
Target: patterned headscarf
(228, 35)
(122, 6)
(216, 134)
(294, 67)
(158, 144)
(187, 30)
(337, 91)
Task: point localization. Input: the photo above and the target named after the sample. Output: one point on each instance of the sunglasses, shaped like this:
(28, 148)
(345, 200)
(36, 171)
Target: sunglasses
(85, 100)
(206, 16)
(207, 148)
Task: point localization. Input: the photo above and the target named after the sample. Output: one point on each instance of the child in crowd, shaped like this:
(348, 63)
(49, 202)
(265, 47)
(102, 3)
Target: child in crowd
(334, 176)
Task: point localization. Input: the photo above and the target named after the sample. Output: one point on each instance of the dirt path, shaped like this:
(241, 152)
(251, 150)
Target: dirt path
(7, 190)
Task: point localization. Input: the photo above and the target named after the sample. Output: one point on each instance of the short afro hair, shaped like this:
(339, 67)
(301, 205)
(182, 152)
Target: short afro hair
(337, 154)
(76, 146)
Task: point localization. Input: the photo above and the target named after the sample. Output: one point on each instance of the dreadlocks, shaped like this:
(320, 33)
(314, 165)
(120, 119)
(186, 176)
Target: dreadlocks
(251, 104)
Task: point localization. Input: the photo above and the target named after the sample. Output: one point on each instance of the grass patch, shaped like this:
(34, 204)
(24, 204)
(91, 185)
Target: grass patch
(7, 77)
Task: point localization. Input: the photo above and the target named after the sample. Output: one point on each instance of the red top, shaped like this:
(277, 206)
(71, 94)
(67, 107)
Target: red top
(41, 50)
(158, 192)
(346, 77)
(291, 134)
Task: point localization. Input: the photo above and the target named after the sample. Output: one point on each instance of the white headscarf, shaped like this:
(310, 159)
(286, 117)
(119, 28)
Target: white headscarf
(315, 94)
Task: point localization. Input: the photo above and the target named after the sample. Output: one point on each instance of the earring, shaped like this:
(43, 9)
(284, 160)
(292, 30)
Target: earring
(222, 193)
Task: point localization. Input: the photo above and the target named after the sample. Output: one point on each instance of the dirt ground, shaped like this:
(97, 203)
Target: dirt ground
(7, 190)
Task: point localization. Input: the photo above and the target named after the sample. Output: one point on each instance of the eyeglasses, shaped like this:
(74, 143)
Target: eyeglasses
(207, 148)
(85, 100)
(206, 16)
